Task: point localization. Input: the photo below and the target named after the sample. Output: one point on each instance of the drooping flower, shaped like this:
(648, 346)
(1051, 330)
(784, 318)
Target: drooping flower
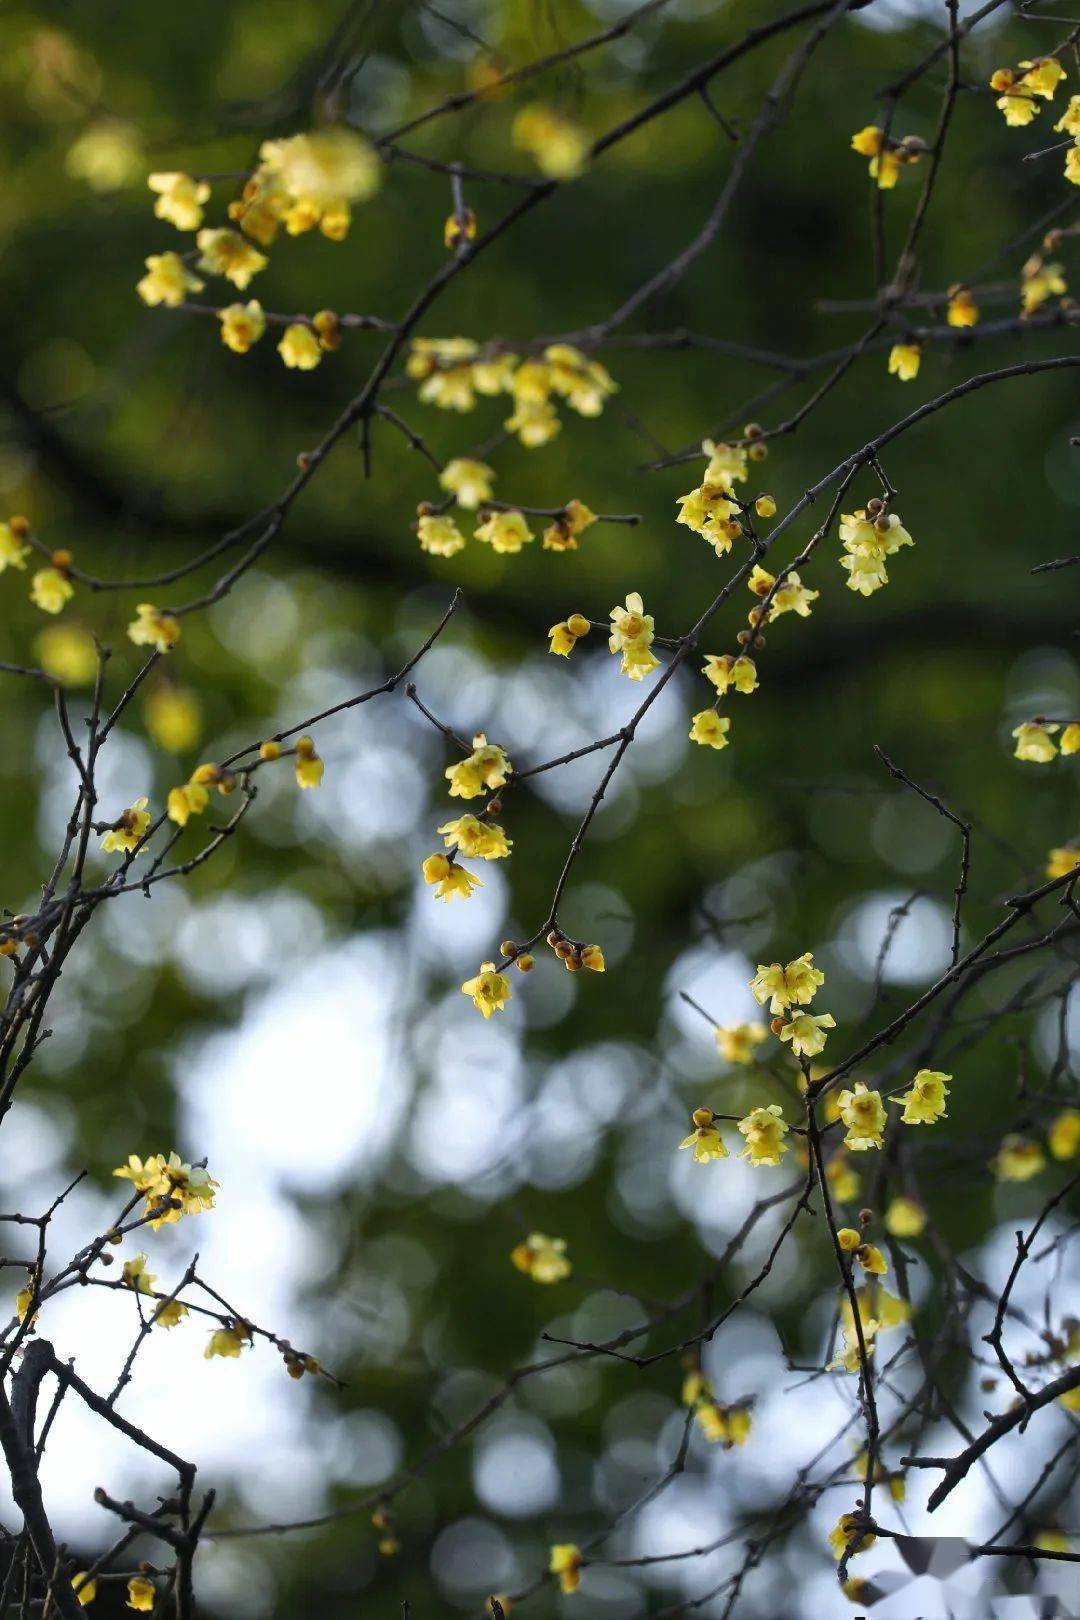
(924, 1104)
(309, 765)
(439, 534)
(490, 990)
(242, 325)
(167, 281)
(128, 831)
(179, 199)
(452, 879)
(470, 482)
(299, 348)
(562, 534)
(228, 1341)
(1018, 1159)
(558, 146)
(764, 1130)
(847, 1534)
(727, 673)
(904, 1218)
(710, 729)
(565, 1562)
(486, 767)
(962, 310)
(737, 1043)
(153, 627)
(51, 588)
(904, 361)
(505, 532)
(783, 987)
(631, 636)
(137, 1276)
(705, 1139)
(1035, 742)
(863, 1112)
(13, 549)
(807, 1032)
(476, 839)
(226, 253)
(542, 1258)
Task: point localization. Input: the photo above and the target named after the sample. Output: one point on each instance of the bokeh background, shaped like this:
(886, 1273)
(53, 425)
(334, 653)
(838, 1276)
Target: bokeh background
(293, 1011)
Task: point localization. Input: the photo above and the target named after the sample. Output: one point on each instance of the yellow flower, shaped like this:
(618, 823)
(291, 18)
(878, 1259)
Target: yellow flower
(173, 718)
(708, 511)
(542, 1258)
(477, 840)
(23, 1300)
(486, 767)
(1070, 738)
(490, 991)
(1063, 1137)
(67, 653)
(142, 1594)
(1043, 76)
(573, 520)
(13, 553)
(1017, 1159)
(737, 1043)
(790, 986)
(705, 1139)
(563, 639)
(505, 532)
(242, 325)
(924, 1104)
(1069, 122)
(791, 597)
(871, 1259)
(962, 310)
(848, 1239)
(592, 958)
(863, 1112)
(227, 253)
(136, 1275)
(300, 348)
(228, 1341)
(709, 729)
(904, 1218)
(167, 281)
(169, 1313)
(128, 831)
(846, 1533)
(190, 799)
(565, 1562)
(51, 589)
(727, 463)
(1052, 1540)
(443, 365)
(321, 173)
(1034, 742)
(451, 878)
(159, 1178)
(107, 155)
(180, 199)
(726, 672)
(558, 146)
(845, 1182)
(764, 1129)
(585, 384)
(868, 141)
(904, 359)
(85, 1590)
(536, 422)
(1039, 282)
(309, 767)
(153, 628)
(439, 535)
(632, 635)
(470, 482)
(460, 227)
(807, 1032)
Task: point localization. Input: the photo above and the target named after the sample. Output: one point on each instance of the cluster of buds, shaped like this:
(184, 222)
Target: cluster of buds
(388, 1543)
(460, 229)
(756, 448)
(521, 958)
(574, 954)
(296, 1362)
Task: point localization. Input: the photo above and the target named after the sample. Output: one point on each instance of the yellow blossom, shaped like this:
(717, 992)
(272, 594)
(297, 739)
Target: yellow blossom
(300, 348)
(904, 1218)
(85, 1589)
(486, 767)
(871, 1259)
(863, 1112)
(961, 310)
(479, 840)
(23, 1300)
(190, 1188)
(558, 146)
(242, 325)
(470, 482)
(848, 1239)
(868, 141)
(1070, 738)
(460, 228)
(1042, 76)
(141, 1593)
(708, 511)
(727, 673)
(451, 878)
(152, 627)
(632, 636)
(1017, 1159)
(709, 729)
(536, 422)
(562, 533)
(227, 253)
(228, 1341)
(792, 596)
(1040, 282)
(167, 281)
(1063, 1137)
(565, 1562)
(542, 1258)
(309, 767)
(705, 1139)
(179, 199)
(1052, 1540)
(13, 551)
(51, 589)
(169, 1313)
(137, 1276)
(764, 1129)
(807, 1032)
(490, 991)
(322, 172)
(592, 958)
(1034, 742)
(737, 1043)
(505, 532)
(1069, 122)
(128, 831)
(846, 1182)
(107, 155)
(790, 986)
(173, 717)
(846, 1534)
(584, 384)
(444, 370)
(924, 1104)
(727, 463)
(67, 653)
(439, 535)
(904, 359)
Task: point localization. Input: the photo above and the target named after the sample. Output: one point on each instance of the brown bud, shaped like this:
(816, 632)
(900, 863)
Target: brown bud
(494, 806)
(571, 963)
(753, 430)
(776, 1025)
(508, 948)
(303, 461)
(874, 506)
(865, 1217)
(564, 950)
(758, 451)
(553, 938)
(524, 963)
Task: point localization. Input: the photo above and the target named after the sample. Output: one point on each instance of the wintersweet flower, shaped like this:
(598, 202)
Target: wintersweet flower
(154, 627)
(584, 384)
(710, 729)
(961, 310)
(632, 635)
(847, 1537)
(470, 482)
(542, 1258)
(924, 1104)
(1035, 742)
(242, 325)
(1039, 282)
(451, 878)
(167, 281)
(863, 1112)
(169, 1313)
(476, 839)
(490, 991)
(1018, 1159)
(1070, 738)
(486, 767)
(764, 1129)
(1069, 122)
(136, 1275)
(226, 253)
(871, 1259)
(1063, 1137)
(904, 1218)
(180, 199)
(309, 766)
(51, 588)
(141, 1593)
(807, 1032)
(444, 367)
(439, 535)
(783, 987)
(228, 1341)
(84, 1587)
(708, 511)
(299, 348)
(737, 1043)
(705, 1139)
(727, 463)
(565, 1562)
(727, 673)
(791, 595)
(13, 549)
(904, 361)
(536, 423)
(505, 532)
(562, 534)
(128, 832)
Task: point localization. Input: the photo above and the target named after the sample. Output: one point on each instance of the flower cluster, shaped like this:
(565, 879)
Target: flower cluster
(868, 536)
(631, 637)
(452, 372)
(1035, 740)
(887, 156)
(171, 1188)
